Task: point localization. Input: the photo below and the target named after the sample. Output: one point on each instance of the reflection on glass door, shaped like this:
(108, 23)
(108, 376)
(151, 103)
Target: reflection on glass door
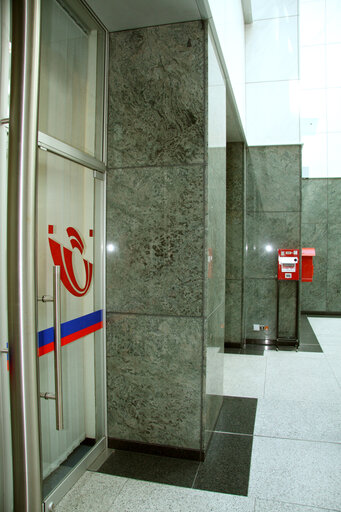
(72, 76)
(67, 239)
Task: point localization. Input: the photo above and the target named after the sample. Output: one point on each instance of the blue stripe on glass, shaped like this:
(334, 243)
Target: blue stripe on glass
(77, 324)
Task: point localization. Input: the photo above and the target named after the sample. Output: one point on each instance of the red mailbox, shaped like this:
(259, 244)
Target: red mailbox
(288, 264)
(307, 264)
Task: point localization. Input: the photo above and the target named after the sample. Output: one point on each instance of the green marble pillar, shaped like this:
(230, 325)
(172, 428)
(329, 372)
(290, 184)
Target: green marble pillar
(162, 184)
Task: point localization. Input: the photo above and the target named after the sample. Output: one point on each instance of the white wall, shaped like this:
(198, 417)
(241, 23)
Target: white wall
(229, 23)
(320, 40)
(216, 100)
(272, 73)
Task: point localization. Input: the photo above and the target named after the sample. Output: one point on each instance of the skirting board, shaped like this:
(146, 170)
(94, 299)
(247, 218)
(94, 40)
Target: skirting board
(155, 449)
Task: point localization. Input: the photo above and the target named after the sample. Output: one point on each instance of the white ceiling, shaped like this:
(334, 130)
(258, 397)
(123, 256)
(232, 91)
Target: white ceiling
(126, 14)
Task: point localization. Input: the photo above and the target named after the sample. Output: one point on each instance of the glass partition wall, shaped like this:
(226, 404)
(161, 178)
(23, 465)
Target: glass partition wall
(70, 231)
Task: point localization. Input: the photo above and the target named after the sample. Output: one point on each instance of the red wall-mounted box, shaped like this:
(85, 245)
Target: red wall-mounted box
(307, 264)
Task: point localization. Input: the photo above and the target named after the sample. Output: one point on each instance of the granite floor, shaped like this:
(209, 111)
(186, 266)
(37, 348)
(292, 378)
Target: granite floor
(227, 464)
(276, 446)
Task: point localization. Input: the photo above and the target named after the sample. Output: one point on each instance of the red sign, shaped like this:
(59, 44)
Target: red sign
(62, 257)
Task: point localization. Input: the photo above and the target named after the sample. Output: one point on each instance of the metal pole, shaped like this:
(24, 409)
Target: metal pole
(21, 256)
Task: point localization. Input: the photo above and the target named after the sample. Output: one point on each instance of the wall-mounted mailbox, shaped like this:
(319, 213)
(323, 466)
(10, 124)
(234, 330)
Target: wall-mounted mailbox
(288, 264)
(307, 264)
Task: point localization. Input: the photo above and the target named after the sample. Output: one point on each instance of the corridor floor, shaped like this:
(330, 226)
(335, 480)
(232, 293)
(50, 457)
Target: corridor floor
(282, 455)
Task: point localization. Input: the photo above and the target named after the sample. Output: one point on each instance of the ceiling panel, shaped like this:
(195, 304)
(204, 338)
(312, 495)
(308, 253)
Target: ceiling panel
(125, 14)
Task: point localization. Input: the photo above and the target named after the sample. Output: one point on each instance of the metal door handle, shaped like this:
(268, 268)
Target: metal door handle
(58, 394)
(57, 349)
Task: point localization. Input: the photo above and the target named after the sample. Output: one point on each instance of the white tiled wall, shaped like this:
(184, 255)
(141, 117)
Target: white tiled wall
(320, 56)
(333, 21)
(229, 22)
(272, 112)
(313, 67)
(271, 49)
(333, 54)
(312, 22)
(273, 9)
(313, 112)
(334, 154)
(272, 62)
(216, 101)
(334, 109)
(314, 160)
(293, 80)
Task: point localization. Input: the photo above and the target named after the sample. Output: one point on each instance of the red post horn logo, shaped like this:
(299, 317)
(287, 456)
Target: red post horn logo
(62, 256)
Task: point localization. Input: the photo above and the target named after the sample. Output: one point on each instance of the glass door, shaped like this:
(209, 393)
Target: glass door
(70, 244)
(70, 314)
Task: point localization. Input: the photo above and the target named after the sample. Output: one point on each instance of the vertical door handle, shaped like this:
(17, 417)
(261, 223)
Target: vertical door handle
(57, 349)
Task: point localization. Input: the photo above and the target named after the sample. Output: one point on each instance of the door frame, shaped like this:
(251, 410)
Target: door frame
(59, 492)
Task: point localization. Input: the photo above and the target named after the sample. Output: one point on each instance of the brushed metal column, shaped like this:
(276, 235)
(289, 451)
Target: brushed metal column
(21, 256)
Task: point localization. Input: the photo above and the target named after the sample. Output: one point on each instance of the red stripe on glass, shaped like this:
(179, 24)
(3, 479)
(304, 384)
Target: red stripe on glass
(83, 332)
(70, 338)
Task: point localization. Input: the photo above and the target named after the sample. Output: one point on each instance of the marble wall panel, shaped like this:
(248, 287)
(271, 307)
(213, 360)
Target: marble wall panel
(154, 379)
(235, 220)
(233, 311)
(287, 309)
(334, 263)
(235, 176)
(321, 228)
(213, 393)
(155, 225)
(216, 245)
(265, 233)
(316, 235)
(273, 220)
(157, 96)
(234, 244)
(334, 245)
(314, 201)
(314, 295)
(260, 307)
(273, 178)
(334, 200)
(334, 289)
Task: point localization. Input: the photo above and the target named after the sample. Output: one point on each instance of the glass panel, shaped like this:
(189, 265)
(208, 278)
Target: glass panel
(68, 237)
(72, 76)
(6, 501)
(216, 208)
